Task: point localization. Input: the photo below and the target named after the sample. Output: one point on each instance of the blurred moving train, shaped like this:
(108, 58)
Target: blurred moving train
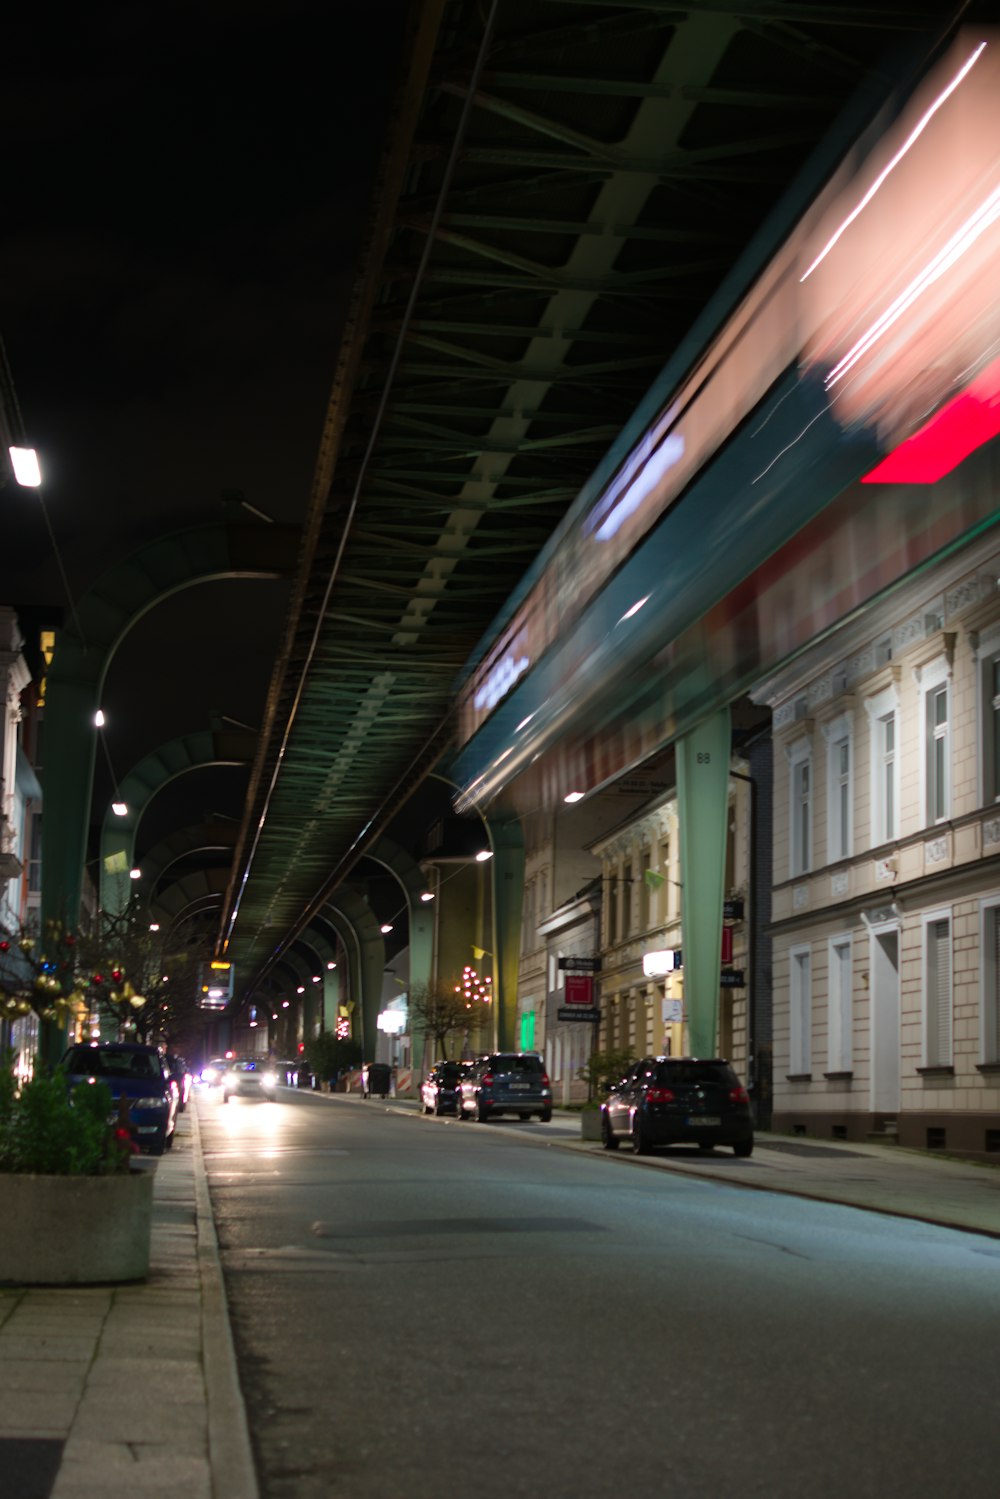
(831, 436)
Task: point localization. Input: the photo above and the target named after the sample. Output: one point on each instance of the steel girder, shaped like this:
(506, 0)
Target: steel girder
(558, 199)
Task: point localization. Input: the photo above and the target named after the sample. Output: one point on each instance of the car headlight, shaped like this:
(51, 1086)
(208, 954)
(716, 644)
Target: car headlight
(148, 1103)
(269, 1080)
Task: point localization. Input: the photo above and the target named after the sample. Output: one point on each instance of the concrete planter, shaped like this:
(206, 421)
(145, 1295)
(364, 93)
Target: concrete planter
(75, 1230)
(590, 1124)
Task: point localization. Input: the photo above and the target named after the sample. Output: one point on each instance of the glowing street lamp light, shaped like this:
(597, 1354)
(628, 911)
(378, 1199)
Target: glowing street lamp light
(135, 874)
(24, 462)
(120, 809)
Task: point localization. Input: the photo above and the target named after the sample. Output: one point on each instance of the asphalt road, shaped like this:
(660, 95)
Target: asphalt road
(433, 1309)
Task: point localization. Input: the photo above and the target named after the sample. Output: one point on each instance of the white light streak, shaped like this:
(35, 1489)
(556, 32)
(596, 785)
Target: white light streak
(962, 240)
(911, 139)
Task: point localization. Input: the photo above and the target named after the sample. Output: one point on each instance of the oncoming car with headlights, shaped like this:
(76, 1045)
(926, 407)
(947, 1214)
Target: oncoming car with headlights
(255, 1077)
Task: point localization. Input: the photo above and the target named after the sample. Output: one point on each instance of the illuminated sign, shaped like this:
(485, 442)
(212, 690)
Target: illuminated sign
(579, 989)
(656, 965)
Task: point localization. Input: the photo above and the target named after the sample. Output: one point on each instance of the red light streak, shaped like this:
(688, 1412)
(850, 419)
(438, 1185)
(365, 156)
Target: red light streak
(966, 422)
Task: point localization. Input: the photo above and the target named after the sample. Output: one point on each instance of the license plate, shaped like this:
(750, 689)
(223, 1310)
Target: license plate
(702, 1121)
(520, 1087)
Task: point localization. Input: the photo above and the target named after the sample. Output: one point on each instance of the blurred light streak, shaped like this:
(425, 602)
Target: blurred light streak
(961, 241)
(914, 136)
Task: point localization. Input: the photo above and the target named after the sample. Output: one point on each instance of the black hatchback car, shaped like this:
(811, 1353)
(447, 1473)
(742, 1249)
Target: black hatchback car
(678, 1100)
(439, 1089)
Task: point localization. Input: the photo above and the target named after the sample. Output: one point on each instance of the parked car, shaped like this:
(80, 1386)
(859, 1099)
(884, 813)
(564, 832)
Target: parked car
(178, 1069)
(678, 1100)
(137, 1073)
(256, 1076)
(506, 1082)
(439, 1089)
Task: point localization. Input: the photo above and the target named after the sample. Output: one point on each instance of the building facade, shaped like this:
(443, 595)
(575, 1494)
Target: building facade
(642, 975)
(886, 854)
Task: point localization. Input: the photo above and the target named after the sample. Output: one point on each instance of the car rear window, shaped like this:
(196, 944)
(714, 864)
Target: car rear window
(696, 1074)
(100, 1063)
(513, 1062)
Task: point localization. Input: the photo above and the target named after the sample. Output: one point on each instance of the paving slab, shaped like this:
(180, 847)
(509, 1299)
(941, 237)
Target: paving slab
(71, 1360)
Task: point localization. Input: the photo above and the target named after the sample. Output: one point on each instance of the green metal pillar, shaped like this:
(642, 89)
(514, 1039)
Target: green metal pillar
(507, 872)
(421, 971)
(702, 805)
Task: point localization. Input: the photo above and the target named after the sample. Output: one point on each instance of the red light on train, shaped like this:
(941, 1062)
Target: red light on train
(962, 425)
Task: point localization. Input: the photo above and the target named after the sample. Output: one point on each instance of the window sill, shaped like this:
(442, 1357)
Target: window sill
(798, 1077)
(989, 1069)
(936, 1071)
(838, 1077)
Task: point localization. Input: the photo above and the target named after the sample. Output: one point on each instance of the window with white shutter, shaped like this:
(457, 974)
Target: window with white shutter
(800, 1011)
(839, 1057)
(937, 989)
(990, 982)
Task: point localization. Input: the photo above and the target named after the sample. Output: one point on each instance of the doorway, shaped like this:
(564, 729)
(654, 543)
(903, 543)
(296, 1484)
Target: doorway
(884, 970)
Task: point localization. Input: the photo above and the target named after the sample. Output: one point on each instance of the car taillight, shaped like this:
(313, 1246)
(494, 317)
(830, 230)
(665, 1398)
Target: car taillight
(739, 1095)
(659, 1095)
(545, 1079)
(487, 1080)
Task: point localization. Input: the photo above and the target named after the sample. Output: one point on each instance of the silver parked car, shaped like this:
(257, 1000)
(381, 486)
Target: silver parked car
(506, 1082)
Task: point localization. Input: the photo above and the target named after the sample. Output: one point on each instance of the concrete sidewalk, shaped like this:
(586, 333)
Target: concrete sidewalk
(131, 1392)
(115, 1391)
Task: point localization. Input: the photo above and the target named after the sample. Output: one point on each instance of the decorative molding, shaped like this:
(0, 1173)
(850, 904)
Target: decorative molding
(800, 897)
(840, 883)
(861, 665)
(885, 869)
(964, 596)
(880, 915)
(784, 715)
(837, 728)
(991, 832)
(935, 850)
(908, 633)
(820, 691)
(800, 748)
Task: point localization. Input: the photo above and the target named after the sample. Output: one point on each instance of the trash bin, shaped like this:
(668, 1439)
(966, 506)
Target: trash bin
(377, 1079)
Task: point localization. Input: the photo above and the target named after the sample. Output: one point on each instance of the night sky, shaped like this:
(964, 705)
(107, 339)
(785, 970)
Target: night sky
(186, 187)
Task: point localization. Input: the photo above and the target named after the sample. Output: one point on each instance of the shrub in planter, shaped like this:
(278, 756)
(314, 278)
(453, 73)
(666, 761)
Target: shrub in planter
(73, 1210)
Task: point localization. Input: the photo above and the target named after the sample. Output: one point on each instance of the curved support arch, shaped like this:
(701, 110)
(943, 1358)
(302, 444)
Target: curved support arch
(84, 650)
(506, 839)
(352, 919)
(177, 757)
(198, 885)
(421, 917)
(329, 948)
(161, 858)
(323, 952)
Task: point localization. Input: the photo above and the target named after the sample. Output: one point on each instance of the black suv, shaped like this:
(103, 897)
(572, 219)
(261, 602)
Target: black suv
(506, 1082)
(673, 1100)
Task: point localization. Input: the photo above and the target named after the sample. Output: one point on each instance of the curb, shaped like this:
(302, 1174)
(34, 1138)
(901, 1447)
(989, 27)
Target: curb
(230, 1454)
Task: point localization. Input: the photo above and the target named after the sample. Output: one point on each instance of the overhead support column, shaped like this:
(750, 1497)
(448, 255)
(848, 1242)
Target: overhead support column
(702, 805)
(507, 870)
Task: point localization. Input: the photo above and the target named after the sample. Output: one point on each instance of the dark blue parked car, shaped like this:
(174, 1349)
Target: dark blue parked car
(137, 1073)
